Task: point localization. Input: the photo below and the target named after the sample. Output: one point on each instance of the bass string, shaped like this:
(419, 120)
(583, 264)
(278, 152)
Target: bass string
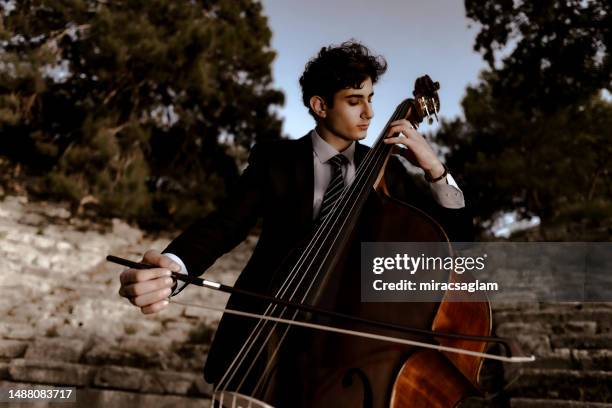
(259, 328)
(290, 280)
(370, 157)
(381, 157)
(260, 382)
(376, 154)
(306, 254)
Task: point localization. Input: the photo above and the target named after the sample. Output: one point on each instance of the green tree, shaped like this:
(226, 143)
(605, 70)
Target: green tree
(547, 54)
(135, 102)
(536, 134)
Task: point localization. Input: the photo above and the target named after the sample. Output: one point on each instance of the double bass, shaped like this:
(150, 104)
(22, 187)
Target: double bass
(283, 365)
(316, 344)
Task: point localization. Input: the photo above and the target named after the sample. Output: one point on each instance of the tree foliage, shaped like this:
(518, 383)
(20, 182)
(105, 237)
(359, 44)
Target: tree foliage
(536, 134)
(547, 54)
(134, 102)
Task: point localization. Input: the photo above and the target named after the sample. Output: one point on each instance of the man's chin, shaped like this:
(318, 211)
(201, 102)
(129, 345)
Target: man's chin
(355, 137)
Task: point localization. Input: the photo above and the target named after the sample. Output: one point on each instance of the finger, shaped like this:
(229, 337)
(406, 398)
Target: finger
(400, 129)
(155, 307)
(401, 122)
(150, 298)
(140, 275)
(398, 140)
(142, 288)
(155, 258)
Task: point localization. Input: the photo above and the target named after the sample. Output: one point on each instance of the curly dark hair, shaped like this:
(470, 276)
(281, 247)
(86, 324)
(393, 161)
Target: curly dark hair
(339, 67)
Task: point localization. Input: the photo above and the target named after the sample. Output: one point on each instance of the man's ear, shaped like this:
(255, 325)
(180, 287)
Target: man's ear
(318, 106)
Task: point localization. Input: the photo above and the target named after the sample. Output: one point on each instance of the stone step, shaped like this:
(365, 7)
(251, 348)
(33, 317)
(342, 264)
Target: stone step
(575, 305)
(507, 329)
(578, 341)
(592, 386)
(600, 315)
(94, 397)
(162, 381)
(555, 403)
(597, 359)
(531, 403)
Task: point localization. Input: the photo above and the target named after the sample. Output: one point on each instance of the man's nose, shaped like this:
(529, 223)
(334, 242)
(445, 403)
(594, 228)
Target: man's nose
(368, 112)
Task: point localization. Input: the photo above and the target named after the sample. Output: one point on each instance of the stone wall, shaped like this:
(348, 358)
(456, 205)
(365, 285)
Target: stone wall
(64, 324)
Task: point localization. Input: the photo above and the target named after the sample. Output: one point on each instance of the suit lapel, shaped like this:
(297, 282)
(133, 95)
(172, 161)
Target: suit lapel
(304, 171)
(305, 179)
(360, 152)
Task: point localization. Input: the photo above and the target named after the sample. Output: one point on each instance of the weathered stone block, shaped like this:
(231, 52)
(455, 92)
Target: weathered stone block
(180, 325)
(34, 271)
(104, 354)
(4, 371)
(510, 329)
(63, 246)
(30, 312)
(557, 359)
(128, 233)
(17, 331)
(168, 382)
(122, 378)
(49, 327)
(71, 330)
(602, 316)
(193, 312)
(593, 359)
(59, 349)
(12, 348)
(192, 356)
(578, 327)
(111, 398)
(49, 372)
(553, 403)
(172, 312)
(142, 327)
(146, 345)
(579, 341)
(537, 344)
(177, 335)
(563, 384)
(32, 219)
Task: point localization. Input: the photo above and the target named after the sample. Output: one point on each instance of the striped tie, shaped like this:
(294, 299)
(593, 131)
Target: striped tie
(335, 187)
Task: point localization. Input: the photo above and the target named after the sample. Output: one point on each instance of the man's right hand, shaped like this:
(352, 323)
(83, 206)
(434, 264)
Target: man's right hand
(149, 288)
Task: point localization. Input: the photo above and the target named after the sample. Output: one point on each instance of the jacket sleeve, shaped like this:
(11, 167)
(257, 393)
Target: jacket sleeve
(403, 186)
(208, 238)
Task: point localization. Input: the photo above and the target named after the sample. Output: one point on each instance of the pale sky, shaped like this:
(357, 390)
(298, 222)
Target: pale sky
(428, 37)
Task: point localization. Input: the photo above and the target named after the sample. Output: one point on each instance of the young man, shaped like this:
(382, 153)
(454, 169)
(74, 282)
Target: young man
(285, 184)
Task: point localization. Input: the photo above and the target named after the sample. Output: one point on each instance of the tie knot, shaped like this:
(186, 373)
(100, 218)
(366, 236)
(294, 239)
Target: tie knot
(338, 160)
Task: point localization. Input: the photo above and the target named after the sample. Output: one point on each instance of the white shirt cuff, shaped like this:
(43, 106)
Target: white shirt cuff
(447, 193)
(180, 284)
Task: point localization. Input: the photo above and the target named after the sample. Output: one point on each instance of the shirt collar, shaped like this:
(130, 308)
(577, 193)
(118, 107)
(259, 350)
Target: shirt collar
(324, 151)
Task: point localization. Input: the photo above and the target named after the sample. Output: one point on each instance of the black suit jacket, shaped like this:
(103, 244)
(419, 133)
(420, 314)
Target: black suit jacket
(277, 186)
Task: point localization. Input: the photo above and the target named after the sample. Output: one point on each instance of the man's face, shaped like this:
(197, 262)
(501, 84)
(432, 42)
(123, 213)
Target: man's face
(350, 115)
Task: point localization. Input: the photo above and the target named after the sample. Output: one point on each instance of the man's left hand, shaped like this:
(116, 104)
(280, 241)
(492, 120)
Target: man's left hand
(418, 151)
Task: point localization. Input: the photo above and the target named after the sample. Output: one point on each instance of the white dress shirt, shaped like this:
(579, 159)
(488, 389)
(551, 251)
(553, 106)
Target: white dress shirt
(446, 191)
